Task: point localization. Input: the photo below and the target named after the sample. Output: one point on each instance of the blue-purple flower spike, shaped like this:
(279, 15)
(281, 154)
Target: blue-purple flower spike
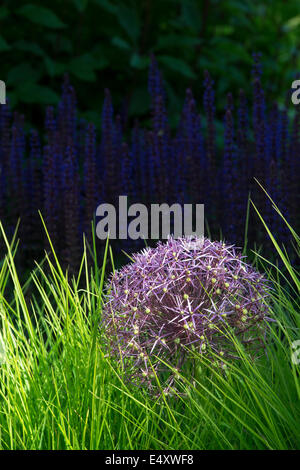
(80, 169)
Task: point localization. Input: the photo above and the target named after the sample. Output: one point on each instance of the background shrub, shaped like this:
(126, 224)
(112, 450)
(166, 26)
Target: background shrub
(101, 42)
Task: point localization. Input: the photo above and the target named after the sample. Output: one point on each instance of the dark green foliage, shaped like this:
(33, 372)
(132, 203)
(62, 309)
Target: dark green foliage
(108, 42)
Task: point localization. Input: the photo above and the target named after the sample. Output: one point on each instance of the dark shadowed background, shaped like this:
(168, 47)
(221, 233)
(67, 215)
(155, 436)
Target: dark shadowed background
(103, 43)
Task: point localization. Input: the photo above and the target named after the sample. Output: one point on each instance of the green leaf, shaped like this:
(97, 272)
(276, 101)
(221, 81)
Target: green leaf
(230, 50)
(4, 12)
(87, 75)
(191, 15)
(33, 93)
(91, 116)
(81, 4)
(28, 47)
(41, 15)
(64, 44)
(23, 72)
(106, 5)
(139, 102)
(177, 41)
(129, 20)
(177, 65)
(240, 8)
(54, 68)
(83, 67)
(121, 43)
(139, 62)
(291, 24)
(3, 45)
(224, 30)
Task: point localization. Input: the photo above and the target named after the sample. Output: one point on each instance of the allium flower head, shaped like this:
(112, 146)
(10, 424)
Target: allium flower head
(178, 297)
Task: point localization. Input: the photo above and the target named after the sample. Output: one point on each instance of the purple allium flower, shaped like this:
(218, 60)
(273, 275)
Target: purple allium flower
(179, 297)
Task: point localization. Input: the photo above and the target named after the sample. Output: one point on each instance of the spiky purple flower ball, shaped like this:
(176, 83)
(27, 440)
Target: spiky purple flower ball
(178, 297)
